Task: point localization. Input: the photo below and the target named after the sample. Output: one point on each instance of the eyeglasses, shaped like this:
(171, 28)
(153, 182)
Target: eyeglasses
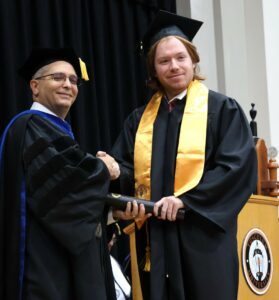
(61, 77)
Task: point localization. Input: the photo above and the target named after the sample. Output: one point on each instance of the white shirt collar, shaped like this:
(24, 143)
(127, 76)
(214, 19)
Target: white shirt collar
(41, 107)
(179, 96)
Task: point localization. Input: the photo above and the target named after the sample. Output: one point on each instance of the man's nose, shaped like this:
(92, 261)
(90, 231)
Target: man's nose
(67, 82)
(174, 64)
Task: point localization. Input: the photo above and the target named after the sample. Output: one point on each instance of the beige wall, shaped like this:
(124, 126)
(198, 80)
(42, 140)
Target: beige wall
(239, 46)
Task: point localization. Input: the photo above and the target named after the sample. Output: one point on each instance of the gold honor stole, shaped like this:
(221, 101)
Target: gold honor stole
(189, 161)
(191, 147)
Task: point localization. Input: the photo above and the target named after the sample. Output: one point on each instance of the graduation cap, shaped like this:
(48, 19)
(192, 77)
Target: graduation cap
(40, 57)
(166, 24)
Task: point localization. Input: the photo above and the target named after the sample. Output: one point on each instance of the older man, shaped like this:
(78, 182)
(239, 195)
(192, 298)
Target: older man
(53, 244)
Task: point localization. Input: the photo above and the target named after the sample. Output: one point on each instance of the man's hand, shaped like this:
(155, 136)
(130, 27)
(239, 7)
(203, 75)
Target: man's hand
(169, 207)
(133, 210)
(111, 164)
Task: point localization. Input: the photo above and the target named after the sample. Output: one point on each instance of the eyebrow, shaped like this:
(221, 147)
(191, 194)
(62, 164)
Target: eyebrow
(166, 56)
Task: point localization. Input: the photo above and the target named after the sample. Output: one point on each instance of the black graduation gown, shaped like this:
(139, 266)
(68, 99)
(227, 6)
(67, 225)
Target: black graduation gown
(54, 245)
(195, 258)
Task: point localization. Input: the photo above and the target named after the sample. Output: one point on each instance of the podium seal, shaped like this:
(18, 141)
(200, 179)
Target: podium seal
(257, 261)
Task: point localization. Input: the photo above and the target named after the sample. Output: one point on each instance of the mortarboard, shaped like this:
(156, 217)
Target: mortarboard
(166, 24)
(40, 57)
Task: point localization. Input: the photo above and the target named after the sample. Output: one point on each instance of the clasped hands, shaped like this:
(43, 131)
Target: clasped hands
(111, 164)
(167, 206)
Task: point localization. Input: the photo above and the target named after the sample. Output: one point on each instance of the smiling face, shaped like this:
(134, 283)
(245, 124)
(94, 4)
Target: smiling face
(57, 96)
(173, 66)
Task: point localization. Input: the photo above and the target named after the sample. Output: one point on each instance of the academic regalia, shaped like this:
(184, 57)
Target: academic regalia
(196, 258)
(53, 244)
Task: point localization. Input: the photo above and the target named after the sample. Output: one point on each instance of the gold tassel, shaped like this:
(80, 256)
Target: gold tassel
(136, 285)
(147, 266)
(147, 259)
(84, 74)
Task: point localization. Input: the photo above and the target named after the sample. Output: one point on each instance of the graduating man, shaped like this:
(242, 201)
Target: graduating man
(52, 235)
(189, 148)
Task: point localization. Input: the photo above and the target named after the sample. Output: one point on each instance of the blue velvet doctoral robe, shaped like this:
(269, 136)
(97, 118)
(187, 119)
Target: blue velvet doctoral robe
(53, 243)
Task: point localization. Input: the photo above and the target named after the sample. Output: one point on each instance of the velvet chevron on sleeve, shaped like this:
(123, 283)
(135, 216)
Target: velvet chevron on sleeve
(58, 226)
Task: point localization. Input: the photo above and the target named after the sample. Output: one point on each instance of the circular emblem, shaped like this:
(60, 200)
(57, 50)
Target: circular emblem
(272, 152)
(257, 261)
(141, 191)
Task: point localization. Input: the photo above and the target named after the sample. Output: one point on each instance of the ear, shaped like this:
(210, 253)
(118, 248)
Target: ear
(34, 85)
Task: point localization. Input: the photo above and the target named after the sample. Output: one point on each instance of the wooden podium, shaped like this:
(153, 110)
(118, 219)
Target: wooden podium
(260, 213)
(258, 229)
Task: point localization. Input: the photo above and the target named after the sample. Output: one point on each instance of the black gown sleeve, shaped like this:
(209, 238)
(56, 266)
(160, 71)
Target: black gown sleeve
(64, 185)
(123, 152)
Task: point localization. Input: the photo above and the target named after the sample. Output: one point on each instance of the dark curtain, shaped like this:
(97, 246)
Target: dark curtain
(106, 34)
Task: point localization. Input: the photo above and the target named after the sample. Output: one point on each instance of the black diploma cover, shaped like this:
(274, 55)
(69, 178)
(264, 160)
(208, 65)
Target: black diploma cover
(120, 202)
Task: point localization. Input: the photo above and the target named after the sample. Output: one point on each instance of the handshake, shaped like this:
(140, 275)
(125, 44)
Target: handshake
(111, 164)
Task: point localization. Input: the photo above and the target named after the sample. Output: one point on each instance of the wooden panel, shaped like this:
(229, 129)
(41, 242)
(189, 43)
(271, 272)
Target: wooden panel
(263, 176)
(260, 212)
